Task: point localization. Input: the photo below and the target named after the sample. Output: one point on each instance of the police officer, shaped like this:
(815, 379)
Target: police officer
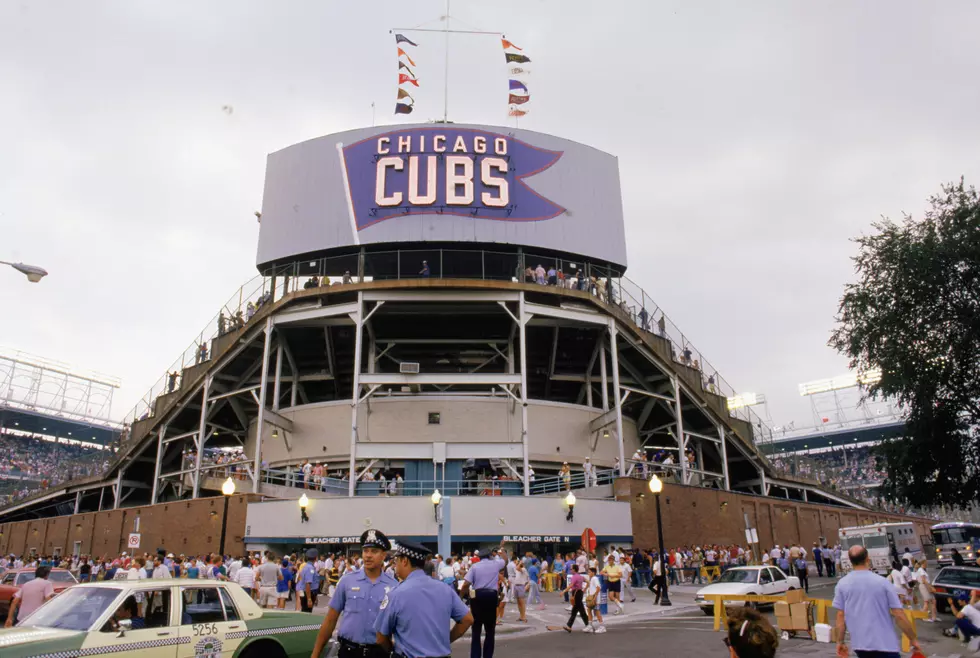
(414, 618)
(359, 596)
(482, 577)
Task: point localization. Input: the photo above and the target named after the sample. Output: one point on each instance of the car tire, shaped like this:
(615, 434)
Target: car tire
(263, 649)
(941, 605)
(708, 611)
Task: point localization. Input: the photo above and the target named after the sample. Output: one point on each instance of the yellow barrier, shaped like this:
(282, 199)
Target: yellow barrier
(709, 572)
(822, 605)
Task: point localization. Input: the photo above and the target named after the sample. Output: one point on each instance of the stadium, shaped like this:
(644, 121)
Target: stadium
(439, 307)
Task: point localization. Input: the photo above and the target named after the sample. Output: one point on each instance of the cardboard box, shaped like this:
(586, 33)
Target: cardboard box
(781, 609)
(795, 596)
(800, 609)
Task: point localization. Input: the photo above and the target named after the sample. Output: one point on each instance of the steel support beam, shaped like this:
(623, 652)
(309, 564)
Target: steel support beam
(278, 377)
(157, 465)
(522, 333)
(358, 316)
(681, 440)
(260, 420)
(724, 456)
(202, 436)
(613, 346)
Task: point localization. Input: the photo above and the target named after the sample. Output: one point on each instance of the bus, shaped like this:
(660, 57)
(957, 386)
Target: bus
(886, 543)
(964, 537)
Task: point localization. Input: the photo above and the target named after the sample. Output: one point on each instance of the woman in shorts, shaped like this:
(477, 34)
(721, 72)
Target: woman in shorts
(613, 574)
(592, 594)
(926, 592)
(519, 586)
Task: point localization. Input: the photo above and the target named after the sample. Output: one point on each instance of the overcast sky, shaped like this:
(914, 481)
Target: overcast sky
(754, 140)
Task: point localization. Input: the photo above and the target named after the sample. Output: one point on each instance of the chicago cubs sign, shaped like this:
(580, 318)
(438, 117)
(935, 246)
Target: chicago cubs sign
(454, 171)
(448, 183)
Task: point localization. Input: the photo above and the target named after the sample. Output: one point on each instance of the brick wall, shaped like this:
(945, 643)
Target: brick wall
(692, 515)
(189, 527)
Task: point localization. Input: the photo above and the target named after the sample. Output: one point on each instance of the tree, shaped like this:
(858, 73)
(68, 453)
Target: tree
(914, 313)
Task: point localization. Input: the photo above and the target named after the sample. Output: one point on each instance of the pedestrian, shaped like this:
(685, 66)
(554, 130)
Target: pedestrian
(358, 597)
(592, 595)
(614, 574)
(481, 586)
(31, 596)
(750, 635)
(817, 559)
(868, 606)
(898, 581)
(576, 591)
(926, 591)
(306, 584)
(588, 470)
(520, 584)
(968, 621)
(283, 583)
(424, 272)
(534, 582)
(627, 581)
(803, 572)
(658, 583)
(414, 617)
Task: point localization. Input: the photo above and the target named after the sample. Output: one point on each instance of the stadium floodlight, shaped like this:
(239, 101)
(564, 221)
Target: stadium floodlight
(32, 272)
(866, 378)
(745, 400)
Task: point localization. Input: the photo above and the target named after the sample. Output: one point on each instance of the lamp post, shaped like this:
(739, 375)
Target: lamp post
(228, 488)
(436, 498)
(570, 501)
(304, 502)
(33, 272)
(656, 486)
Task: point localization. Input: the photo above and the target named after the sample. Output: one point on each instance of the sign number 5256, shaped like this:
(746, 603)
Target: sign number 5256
(205, 629)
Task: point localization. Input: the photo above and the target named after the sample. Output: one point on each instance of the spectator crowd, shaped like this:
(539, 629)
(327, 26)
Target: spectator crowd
(30, 463)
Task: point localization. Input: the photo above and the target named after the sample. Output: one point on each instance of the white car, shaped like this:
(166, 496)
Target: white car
(743, 581)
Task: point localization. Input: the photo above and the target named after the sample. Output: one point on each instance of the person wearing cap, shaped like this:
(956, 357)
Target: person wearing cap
(414, 618)
(483, 579)
(359, 596)
(306, 582)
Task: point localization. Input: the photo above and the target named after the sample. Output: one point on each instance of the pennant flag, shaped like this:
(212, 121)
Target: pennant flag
(515, 85)
(514, 112)
(402, 79)
(517, 70)
(404, 94)
(402, 53)
(403, 65)
(400, 38)
(403, 108)
(519, 100)
(514, 57)
(508, 44)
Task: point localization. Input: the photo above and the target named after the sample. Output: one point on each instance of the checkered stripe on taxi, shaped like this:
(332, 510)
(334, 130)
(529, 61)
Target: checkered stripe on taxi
(271, 631)
(131, 646)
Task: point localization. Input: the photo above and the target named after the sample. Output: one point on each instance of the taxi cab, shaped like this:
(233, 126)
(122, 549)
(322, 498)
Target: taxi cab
(164, 618)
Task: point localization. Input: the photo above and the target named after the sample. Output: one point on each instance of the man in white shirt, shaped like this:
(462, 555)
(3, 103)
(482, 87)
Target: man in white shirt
(627, 581)
(30, 596)
(233, 568)
(588, 470)
(775, 553)
(245, 576)
(160, 570)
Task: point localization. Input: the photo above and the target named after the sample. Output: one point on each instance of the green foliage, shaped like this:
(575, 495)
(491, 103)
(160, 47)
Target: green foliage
(915, 314)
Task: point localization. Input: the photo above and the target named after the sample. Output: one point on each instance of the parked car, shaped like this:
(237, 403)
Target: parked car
(950, 582)
(13, 579)
(744, 581)
(160, 618)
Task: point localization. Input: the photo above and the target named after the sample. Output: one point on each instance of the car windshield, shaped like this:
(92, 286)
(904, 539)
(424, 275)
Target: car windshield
(967, 577)
(75, 609)
(61, 577)
(739, 576)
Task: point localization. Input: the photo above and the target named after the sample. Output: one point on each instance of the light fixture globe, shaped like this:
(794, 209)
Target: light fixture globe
(570, 499)
(304, 501)
(228, 488)
(436, 497)
(656, 484)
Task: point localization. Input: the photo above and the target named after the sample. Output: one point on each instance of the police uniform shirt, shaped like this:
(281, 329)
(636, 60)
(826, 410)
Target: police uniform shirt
(415, 614)
(483, 574)
(360, 600)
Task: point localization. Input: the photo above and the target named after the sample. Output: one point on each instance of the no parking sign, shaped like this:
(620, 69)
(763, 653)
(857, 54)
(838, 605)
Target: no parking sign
(134, 540)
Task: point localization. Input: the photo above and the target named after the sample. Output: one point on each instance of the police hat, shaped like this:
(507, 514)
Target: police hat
(375, 539)
(412, 550)
(312, 554)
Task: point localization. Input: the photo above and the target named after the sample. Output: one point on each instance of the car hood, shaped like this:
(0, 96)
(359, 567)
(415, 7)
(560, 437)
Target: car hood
(727, 588)
(42, 640)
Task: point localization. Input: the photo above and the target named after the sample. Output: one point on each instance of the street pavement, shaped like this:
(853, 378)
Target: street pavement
(646, 630)
(650, 631)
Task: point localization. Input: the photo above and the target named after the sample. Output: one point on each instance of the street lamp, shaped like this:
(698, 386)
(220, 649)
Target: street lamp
(436, 498)
(228, 488)
(570, 501)
(33, 272)
(304, 502)
(656, 486)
